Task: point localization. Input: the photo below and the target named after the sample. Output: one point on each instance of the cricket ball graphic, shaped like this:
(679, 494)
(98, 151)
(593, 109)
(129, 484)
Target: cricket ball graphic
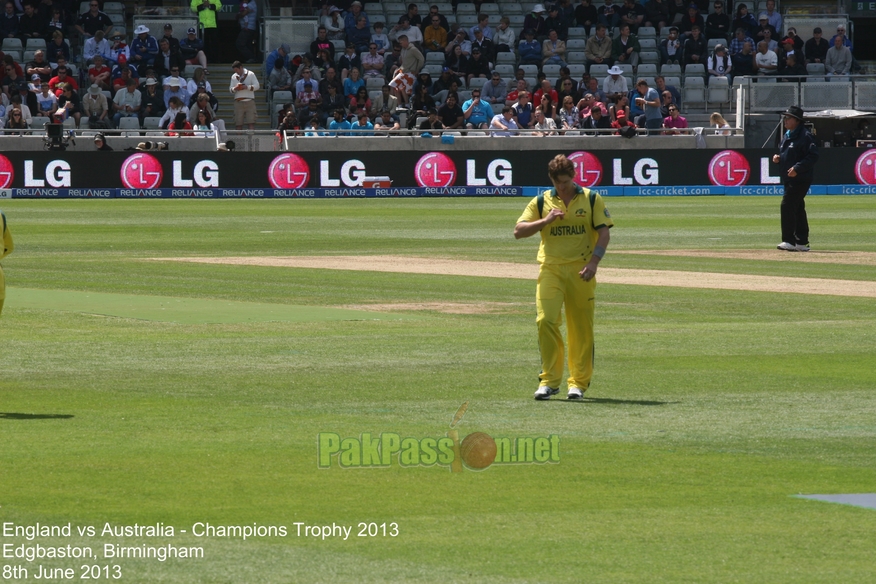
(478, 450)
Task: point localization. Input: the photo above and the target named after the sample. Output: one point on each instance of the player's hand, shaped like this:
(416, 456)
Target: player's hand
(776, 158)
(553, 216)
(588, 272)
(791, 172)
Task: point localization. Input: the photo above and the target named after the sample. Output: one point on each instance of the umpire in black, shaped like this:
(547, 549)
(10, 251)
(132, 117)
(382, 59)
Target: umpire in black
(796, 159)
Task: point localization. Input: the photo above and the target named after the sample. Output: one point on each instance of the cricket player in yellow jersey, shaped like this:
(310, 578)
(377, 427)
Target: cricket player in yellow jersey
(5, 251)
(574, 226)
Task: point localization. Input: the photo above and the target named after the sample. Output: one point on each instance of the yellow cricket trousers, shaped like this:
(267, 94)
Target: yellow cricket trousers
(559, 285)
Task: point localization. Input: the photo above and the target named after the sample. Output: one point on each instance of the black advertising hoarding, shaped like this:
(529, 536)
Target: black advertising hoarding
(457, 173)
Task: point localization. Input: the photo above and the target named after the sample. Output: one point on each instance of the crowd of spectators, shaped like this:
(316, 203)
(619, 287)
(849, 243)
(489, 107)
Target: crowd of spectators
(112, 79)
(436, 75)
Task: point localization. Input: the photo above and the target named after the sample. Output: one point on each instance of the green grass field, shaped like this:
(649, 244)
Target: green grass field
(139, 391)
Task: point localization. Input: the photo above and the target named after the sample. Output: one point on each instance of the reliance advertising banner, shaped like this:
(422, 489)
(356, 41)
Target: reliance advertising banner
(414, 174)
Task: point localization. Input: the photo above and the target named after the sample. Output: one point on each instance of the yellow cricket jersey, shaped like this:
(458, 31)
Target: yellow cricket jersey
(7, 249)
(571, 239)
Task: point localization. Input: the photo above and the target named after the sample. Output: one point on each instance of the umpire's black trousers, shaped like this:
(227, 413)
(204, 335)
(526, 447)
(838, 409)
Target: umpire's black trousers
(795, 226)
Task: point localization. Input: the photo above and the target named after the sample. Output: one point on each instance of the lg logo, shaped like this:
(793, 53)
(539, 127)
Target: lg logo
(865, 168)
(729, 168)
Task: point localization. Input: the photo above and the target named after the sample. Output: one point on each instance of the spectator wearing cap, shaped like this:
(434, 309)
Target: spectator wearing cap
(174, 87)
(359, 36)
(192, 49)
(119, 52)
(719, 63)
(608, 14)
(529, 49)
(352, 16)
(334, 24)
(692, 19)
(100, 143)
(765, 29)
(816, 48)
(535, 21)
(695, 47)
(243, 86)
(95, 108)
(553, 50)
(434, 35)
(478, 66)
(152, 103)
(598, 48)
(404, 28)
(632, 14)
(838, 61)
(671, 47)
(739, 40)
(621, 121)
(484, 44)
(206, 11)
(247, 17)
(626, 48)
(432, 122)
(718, 23)
(615, 84)
(88, 23)
(96, 45)
(126, 103)
(461, 40)
(281, 53)
(494, 91)
(798, 43)
(172, 41)
(144, 49)
(372, 61)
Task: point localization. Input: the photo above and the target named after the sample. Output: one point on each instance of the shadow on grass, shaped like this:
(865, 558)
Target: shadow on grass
(618, 402)
(16, 416)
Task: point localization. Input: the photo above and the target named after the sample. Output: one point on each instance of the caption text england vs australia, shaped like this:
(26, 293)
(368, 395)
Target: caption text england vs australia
(29, 544)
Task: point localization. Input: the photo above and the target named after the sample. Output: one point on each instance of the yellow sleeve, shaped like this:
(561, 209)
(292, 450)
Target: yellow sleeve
(8, 246)
(601, 217)
(531, 212)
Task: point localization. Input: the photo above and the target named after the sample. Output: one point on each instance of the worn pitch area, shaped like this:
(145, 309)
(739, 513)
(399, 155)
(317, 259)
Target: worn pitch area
(635, 277)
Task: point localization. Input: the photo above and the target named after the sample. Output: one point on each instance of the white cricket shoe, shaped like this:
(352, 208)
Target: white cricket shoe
(575, 393)
(787, 246)
(545, 392)
(802, 247)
